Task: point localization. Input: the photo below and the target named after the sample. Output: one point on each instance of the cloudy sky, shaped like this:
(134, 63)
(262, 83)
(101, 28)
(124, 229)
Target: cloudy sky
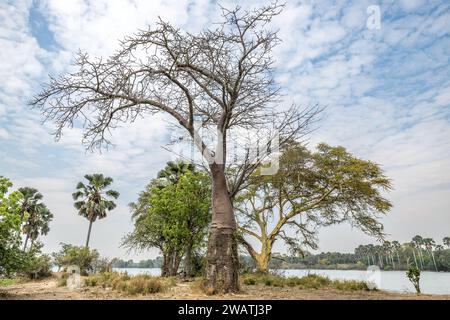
(387, 90)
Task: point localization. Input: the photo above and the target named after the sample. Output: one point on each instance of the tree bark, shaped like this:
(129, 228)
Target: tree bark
(222, 265)
(89, 233)
(25, 244)
(165, 265)
(188, 259)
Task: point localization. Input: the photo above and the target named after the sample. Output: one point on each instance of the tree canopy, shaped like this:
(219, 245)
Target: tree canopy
(172, 217)
(311, 189)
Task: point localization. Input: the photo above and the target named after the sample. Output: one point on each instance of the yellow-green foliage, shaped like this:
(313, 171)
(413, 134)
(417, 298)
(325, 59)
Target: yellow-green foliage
(7, 282)
(311, 281)
(141, 284)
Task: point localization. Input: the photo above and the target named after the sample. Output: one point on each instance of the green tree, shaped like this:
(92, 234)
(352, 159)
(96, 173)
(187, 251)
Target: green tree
(413, 275)
(37, 223)
(310, 190)
(173, 218)
(174, 170)
(418, 242)
(31, 198)
(83, 257)
(92, 201)
(396, 247)
(10, 209)
(429, 244)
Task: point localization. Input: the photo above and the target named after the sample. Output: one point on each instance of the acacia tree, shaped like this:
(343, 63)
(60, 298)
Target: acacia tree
(310, 190)
(223, 74)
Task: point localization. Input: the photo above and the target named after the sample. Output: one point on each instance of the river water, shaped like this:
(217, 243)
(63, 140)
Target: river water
(396, 281)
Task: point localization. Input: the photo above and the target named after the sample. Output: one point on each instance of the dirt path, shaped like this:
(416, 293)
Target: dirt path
(49, 290)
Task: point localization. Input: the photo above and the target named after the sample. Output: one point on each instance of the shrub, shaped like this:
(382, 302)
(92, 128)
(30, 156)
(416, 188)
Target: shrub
(413, 275)
(141, 284)
(350, 285)
(311, 281)
(37, 266)
(250, 281)
(82, 257)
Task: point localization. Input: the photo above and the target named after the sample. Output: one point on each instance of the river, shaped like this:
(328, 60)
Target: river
(396, 281)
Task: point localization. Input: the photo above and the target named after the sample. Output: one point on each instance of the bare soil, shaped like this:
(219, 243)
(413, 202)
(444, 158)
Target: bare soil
(48, 289)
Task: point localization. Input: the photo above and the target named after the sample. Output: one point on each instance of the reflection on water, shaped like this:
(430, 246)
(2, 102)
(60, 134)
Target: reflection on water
(431, 282)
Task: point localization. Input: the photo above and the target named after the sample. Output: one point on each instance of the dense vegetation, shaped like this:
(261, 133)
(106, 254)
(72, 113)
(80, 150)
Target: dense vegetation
(23, 217)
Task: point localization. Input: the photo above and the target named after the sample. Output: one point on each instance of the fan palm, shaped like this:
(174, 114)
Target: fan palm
(446, 241)
(92, 201)
(174, 170)
(31, 198)
(37, 223)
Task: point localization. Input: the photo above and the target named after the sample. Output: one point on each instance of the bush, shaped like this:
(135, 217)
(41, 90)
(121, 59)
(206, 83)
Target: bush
(311, 281)
(35, 264)
(413, 275)
(38, 267)
(249, 281)
(82, 257)
(141, 284)
(350, 285)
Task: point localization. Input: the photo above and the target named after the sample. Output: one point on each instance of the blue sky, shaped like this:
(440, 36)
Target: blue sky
(387, 92)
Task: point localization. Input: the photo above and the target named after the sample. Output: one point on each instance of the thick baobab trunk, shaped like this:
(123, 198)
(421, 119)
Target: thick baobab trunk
(222, 265)
(89, 233)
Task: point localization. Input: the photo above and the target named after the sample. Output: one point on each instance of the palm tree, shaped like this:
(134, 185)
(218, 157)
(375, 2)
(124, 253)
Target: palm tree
(37, 223)
(396, 246)
(94, 201)
(418, 241)
(446, 242)
(413, 245)
(31, 198)
(429, 245)
(387, 246)
(174, 170)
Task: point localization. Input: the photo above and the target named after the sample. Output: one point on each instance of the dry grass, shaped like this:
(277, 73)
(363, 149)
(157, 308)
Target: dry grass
(311, 281)
(137, 285)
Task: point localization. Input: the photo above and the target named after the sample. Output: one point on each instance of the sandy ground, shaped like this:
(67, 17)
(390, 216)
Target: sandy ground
(49, 290)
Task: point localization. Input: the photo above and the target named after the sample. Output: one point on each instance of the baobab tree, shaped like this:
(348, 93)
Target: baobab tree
(223, 75)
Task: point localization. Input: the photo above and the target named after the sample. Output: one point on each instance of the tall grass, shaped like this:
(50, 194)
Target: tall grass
(122, 282)
(311, 281)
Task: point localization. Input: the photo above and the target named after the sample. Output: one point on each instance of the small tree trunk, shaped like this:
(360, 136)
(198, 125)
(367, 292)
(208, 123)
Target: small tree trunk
(165, 264)
(222, 265)
(26, 241)
(89, 233)
(176, 263)
(188, 259)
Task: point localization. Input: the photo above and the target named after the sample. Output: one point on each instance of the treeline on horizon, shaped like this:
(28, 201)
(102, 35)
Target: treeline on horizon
(422, 253)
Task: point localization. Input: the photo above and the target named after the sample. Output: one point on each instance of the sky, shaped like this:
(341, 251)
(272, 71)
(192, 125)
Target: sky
(386, 87)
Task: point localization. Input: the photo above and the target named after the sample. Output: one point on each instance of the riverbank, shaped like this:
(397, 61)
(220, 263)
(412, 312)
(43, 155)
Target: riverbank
(48, 289)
